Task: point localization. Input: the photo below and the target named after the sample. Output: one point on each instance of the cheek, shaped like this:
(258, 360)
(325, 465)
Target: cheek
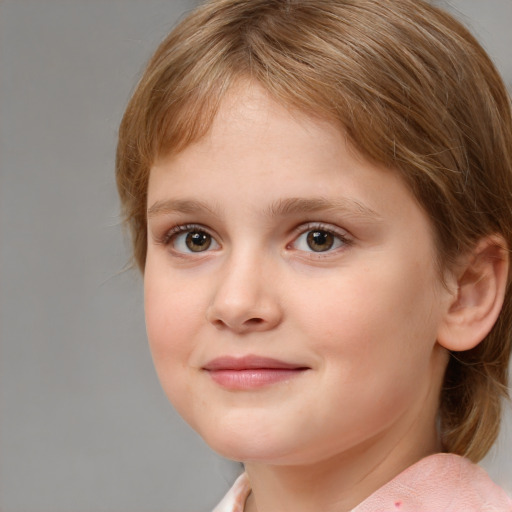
(376, 335)
(172, 317)
(382, 320)
(172, 321)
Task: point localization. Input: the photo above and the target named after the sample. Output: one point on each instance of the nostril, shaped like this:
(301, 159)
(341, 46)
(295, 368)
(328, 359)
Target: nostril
(250, 322)
(254, 321)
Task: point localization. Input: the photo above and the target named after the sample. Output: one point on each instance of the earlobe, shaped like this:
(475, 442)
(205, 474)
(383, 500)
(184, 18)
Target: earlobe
(479, 291)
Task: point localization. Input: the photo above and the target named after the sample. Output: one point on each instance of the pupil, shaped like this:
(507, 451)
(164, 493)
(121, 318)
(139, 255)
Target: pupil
(197, 241)
(320, 241)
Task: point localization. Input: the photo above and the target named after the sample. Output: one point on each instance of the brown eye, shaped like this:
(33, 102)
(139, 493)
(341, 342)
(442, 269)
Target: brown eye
(320, 241)
(188, 239)
(198, 241)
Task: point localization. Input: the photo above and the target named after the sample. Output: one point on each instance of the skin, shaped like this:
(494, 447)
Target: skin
(363, 316)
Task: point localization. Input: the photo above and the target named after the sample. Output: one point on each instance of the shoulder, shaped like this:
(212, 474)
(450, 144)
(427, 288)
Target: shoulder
(440, 483)
(234, 500)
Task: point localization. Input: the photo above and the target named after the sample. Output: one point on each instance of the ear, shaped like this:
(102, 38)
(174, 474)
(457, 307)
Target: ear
(479, 285)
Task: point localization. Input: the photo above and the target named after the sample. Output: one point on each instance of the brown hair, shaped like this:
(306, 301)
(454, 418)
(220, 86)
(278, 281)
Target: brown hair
(412, 89)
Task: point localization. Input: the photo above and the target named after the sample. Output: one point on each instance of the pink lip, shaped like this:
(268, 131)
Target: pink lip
(250, 372)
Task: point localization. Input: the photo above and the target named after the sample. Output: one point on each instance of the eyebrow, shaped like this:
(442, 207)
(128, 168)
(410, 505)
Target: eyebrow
(298, 205)
(179, 206)
(280, 208)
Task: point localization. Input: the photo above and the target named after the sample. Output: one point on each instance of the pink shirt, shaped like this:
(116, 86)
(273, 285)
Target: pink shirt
(438, 483)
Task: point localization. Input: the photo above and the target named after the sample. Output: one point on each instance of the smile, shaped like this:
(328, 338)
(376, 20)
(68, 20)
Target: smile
(251, 372)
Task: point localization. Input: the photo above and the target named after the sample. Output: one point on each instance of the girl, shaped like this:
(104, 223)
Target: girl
(319, 193)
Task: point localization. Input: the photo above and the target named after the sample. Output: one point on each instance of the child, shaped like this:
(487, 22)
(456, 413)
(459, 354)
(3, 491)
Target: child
(320, 194)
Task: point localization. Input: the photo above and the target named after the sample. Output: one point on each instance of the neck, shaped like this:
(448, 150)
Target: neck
(334, 485)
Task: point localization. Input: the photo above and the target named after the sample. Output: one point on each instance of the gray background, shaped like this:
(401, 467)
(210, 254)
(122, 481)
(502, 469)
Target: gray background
(84, 425)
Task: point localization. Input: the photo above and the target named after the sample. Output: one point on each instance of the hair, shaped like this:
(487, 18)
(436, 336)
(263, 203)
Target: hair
(411, 88)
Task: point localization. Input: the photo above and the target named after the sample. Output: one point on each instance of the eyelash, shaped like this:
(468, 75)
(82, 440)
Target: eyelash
(170, 240)
(170, 235)
(341, 236)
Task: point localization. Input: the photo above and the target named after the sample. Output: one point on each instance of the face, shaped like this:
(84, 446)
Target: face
(292, 301)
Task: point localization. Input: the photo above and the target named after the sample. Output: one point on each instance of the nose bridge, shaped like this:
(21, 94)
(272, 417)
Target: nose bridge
(244, 297)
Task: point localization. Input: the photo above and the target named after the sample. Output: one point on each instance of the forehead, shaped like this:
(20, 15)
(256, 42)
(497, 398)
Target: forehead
(256, 144)
(247, 113)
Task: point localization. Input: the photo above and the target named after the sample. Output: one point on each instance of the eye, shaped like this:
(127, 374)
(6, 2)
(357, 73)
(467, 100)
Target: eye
(188, 239)
(319, 240)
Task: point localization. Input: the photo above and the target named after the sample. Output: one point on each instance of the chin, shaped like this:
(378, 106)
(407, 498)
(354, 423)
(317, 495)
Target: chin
(248, 445)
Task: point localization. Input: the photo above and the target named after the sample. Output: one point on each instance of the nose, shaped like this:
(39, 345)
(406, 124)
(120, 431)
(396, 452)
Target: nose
(245, 298)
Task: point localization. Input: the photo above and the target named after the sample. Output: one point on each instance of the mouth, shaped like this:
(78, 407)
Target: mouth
(250, 372)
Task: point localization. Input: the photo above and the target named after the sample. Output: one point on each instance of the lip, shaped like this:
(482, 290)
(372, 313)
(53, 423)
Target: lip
(249, 362)
(251, 372)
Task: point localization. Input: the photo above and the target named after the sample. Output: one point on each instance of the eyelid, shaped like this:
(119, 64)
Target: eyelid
(167, 238)
(321, 226)
(341, 234)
